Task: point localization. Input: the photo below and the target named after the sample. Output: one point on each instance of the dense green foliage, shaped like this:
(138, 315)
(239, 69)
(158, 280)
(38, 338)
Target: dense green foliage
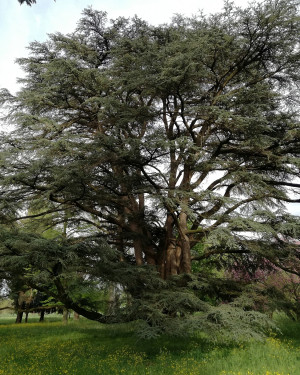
(88, 348)
(149, 149)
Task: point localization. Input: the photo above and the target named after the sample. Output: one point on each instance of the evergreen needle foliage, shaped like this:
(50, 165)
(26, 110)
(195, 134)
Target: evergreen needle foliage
(153, 160)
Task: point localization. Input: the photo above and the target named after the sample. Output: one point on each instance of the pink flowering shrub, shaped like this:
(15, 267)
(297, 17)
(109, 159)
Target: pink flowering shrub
(269, 287)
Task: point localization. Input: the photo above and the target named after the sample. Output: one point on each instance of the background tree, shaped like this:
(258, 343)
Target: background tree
(28, 2)
(156, 139)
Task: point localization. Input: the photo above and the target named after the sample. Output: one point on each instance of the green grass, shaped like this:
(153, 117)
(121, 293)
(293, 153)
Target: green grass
(88, 348)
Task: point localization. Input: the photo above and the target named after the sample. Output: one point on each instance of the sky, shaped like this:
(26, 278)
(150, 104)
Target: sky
(21, 24)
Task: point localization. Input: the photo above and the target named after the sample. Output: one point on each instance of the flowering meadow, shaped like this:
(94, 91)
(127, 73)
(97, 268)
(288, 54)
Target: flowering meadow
(88, 348)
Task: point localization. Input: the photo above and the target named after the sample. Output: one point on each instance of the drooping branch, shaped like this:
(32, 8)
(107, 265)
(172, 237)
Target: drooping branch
(219, 252)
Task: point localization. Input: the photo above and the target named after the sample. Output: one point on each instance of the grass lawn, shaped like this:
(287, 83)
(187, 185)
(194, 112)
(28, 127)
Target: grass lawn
(89, 348)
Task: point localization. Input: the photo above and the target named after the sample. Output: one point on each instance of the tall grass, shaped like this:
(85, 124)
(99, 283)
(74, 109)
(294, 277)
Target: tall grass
(88, 348)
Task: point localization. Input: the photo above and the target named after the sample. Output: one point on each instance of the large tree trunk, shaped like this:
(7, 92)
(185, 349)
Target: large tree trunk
(26, 316)
(42, 315)
(19, 317)
(65, 316)
(175, 258)
(20, 305)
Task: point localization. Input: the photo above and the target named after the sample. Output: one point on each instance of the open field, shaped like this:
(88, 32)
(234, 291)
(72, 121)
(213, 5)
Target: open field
(88, 348)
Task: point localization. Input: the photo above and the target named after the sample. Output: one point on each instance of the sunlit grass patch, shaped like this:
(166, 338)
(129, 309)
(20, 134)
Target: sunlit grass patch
(88, 348)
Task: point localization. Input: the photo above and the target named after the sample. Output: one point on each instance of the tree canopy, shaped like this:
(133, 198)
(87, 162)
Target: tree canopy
(167, 152)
